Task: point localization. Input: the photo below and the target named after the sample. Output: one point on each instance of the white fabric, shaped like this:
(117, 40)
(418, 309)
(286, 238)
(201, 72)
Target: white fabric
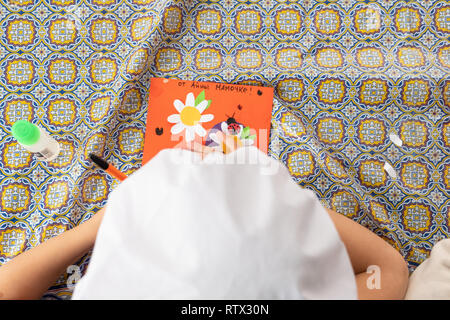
(186, 228)
(431, 280)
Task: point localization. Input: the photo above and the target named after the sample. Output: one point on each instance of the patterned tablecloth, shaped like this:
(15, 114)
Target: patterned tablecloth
(360, 86)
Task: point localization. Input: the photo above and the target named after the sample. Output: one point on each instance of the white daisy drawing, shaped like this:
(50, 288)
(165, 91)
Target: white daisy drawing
(189, 117)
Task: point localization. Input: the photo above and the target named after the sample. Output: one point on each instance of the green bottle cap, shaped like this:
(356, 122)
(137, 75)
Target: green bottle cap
(25, 132)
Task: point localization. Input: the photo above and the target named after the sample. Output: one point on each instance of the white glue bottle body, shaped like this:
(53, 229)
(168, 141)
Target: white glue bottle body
(36, 140)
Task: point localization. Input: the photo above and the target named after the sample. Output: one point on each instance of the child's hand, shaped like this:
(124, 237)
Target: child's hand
(228, 144)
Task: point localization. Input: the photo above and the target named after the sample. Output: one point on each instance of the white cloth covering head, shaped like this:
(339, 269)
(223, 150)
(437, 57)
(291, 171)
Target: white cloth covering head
(230, 226)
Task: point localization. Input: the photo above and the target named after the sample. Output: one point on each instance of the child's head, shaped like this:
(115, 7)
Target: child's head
(214, 229)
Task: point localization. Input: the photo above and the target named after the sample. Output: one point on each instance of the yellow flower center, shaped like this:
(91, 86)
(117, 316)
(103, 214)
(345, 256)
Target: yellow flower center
(190, 116)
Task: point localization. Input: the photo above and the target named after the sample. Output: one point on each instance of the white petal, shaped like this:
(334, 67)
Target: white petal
(247, 142)
(224, 127)
(174, 118)
(213, 137)
(178, 105)
(200, 130)
(217, 138)
(190, 134)
(176, 129)
(202, 106)
(190, 100)
(206, 117)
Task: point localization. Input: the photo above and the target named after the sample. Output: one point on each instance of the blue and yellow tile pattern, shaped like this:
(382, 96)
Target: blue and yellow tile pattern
(352, 79)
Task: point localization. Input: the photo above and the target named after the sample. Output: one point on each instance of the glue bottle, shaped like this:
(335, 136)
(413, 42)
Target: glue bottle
(35, 139)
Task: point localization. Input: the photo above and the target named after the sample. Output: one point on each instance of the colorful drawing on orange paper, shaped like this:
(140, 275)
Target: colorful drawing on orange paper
(184, 112)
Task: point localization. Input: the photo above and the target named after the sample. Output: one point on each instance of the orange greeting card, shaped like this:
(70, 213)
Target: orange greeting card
(182, 112)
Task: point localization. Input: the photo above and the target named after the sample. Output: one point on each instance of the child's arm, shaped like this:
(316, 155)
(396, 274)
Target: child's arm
(365, 249)
(31, 273)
